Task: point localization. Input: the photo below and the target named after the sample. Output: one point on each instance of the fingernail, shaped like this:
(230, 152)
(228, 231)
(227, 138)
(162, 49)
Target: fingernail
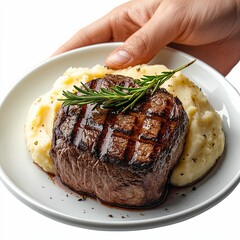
(119, 57)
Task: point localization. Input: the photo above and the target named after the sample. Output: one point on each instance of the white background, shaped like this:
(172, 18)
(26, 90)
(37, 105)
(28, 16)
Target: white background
(30, 32)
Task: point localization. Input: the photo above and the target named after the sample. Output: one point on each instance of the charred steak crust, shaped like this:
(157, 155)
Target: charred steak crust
(121, 159)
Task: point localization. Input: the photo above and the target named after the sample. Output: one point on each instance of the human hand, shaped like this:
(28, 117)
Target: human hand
(208, 30)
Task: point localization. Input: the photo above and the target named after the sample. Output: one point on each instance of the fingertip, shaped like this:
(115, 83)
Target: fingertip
(57, 52)
(64, 48)
(118, 59)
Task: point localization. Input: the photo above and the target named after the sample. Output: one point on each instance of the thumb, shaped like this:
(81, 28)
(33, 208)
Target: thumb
(144, 44)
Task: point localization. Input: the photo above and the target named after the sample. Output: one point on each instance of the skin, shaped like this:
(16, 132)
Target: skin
(207, 29)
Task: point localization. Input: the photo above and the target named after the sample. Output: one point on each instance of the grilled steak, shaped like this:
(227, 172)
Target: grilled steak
(122, 159)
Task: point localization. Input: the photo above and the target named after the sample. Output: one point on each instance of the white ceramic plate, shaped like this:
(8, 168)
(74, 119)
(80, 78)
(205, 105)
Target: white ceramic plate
(32, 186)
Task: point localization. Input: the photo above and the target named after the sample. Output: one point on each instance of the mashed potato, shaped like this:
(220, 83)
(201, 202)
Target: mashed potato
(205, 138)
(204, 142)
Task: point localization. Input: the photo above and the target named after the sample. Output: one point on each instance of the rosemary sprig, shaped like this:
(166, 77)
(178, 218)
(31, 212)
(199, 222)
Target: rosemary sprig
(118, 96)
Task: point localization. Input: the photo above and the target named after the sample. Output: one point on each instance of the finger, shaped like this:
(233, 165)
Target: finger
(144, 44)
(96, 32)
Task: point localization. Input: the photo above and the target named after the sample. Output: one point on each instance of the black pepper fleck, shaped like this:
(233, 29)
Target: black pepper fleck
(110, 215)
(194, 159)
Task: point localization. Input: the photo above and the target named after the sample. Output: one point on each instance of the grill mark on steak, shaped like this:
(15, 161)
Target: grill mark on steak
(121, 158)
(77, 131)
(104, 136)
